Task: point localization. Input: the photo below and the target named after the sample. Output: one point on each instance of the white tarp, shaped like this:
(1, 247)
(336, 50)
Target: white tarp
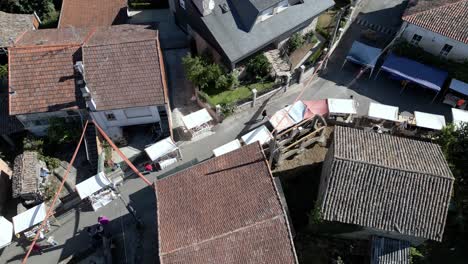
(459, 116)
(281, 120)
(160, 148)
(431, 121)
(261, 134)
(381, 111)
(92, 185)
(297, 111)
(6, 232)
(197, 118)
(29, 218)
(228, 147)
(341, 106)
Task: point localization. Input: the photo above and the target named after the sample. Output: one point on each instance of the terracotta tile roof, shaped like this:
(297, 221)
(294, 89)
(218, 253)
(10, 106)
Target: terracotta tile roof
(92, 13)
(4, 168)
(13, 25)
(42, 79)
(26, 173)
(225, 210)
(446, 17)
(53, 37)
(387, 183)
(122, 68)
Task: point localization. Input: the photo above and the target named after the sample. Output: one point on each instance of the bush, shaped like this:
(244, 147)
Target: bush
(207, 75)
(51, 162)
(259, 67)
(30, 143)
(3, 71)
(61, 132)
(295, 41)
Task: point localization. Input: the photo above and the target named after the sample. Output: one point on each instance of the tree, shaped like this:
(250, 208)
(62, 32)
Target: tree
(295, 42)
(205, 74)
(195, 70)
(45, 9)
(259, 67)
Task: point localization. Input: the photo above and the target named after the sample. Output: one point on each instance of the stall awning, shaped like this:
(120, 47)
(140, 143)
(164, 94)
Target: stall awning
(197, 118)
(29, 218)
(459, 86)
(341, 106)
(260, 134)
(226, 148)
(318, 107)
(363, 54)
(290, 115)
(160, 148)
(6, 232)
(411, 70)
(381, 111)
(281, 120)
(459, 116)
(431, 121)
(92, 185)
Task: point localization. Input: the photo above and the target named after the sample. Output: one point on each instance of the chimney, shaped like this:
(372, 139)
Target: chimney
(204, 6)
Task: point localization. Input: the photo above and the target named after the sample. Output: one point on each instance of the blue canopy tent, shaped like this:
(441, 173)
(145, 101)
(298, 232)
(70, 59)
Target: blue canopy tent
(459, 87)
(363, 54)
(401, 68)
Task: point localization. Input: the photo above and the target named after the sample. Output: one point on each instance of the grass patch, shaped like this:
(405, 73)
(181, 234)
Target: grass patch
(232, 96)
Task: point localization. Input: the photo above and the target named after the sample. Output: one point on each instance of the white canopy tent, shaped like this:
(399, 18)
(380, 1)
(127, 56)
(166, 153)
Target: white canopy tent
(431, 121)
(92, 185)
(459, 116)
(382, 111)
(196, 119)
(228, 147)
(260, 134)
(6, 232)
(341, 106)
(30, 218)
(161, 149)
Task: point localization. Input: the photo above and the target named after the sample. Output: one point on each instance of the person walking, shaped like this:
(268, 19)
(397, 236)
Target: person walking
(103, 220)
(264, 114)
(37, 248)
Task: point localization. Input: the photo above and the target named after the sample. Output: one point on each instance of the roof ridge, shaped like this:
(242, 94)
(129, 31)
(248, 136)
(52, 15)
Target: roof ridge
(431, 9)
(223, 235)
(56, 46)
(393, 168)
(123, 42)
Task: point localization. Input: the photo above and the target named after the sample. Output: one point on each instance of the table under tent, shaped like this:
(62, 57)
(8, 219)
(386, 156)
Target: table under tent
(457, 95)
(164, 153)
(459, 116)
(197, 122)
(95, 190)
(363, 55)
(27, 222)
(409, 71)
(341, 110)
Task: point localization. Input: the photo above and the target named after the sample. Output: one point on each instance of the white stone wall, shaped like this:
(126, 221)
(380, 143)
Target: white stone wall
(433, 42)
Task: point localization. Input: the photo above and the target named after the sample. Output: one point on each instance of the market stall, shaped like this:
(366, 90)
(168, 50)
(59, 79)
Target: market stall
(341, 110)
(316, 107)
(410, 71)
(27, 222)
(457, 95)
(429, 121)
(6, 232)
(94, 189)
(164, 152)
(459, 116)
(260, 134)
(383, 112)
(197, 122)
(226, 148)
(364, 55)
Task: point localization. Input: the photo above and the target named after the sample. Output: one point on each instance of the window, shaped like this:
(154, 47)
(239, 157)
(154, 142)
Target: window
(445, 50)
(182, 3)
(137, 112)
(110, 117)
(282, 6)
(266, 14)
(416, 39)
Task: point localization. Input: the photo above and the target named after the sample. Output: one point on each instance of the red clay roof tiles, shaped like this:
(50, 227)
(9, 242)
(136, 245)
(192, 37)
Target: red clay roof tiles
(445, 17)
(225, 210)
(92, 13)
(122, 68)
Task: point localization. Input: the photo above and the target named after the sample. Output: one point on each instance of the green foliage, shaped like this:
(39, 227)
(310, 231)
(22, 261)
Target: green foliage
(458, 70)
(52, 163)
(315, 216)
(415, 255)
(61, 132)
(314, 57)
(295, 41)
(31, 143)
(107, 152)
(3, 71)
(232, 96)
(207, 75)
(50, 190)
(259, 67)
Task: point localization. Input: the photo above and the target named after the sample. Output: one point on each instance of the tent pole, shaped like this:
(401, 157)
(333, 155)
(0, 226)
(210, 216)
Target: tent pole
(377, 75)
(404, 87)
(343, 64)
(371, 71)
(435, 97)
